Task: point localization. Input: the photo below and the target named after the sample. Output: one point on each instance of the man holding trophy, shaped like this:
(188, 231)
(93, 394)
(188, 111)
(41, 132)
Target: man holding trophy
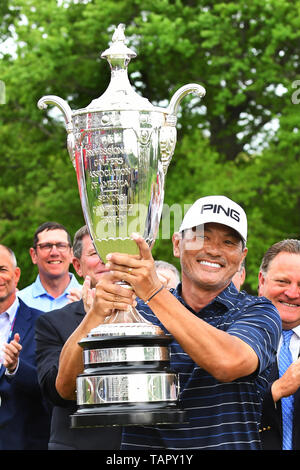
(224, 341)
(221, 342)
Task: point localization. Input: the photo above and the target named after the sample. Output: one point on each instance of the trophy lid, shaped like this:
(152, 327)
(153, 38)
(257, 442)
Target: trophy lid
(119, 94)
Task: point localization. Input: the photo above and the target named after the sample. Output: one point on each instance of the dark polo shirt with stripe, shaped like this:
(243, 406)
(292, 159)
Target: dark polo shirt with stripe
(222, 416)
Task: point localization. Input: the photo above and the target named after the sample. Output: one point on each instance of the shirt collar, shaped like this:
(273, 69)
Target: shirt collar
(11, 311)
(296, 330)
(38, 289)
(225, 297)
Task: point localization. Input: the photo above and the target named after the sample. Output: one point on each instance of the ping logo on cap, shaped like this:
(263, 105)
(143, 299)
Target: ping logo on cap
(216, 208)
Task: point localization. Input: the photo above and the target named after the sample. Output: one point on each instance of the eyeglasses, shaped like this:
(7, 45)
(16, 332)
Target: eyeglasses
(47, 247)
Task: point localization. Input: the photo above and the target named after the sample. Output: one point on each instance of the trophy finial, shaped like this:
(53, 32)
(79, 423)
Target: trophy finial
(118, 50)
(119, 34)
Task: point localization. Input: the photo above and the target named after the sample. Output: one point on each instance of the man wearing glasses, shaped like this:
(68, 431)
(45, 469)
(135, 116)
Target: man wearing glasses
(52, 253)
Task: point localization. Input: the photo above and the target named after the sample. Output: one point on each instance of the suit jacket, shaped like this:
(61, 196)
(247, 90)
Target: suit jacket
(24, 416)
(271, 421)
(52, 331)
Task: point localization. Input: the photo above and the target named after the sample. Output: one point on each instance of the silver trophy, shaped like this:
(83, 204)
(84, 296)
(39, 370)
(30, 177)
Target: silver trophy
(121, 146)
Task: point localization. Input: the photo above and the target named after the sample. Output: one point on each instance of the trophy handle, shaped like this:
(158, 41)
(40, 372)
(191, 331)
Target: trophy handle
(179, 95)
(67, 114)
(168, 133)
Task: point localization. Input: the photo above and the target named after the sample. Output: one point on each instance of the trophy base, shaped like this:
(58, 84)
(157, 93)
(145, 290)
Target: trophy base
(127, 380)
(148, 415)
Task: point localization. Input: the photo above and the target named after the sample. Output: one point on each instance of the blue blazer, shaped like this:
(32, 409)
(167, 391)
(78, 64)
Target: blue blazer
(24, 416)
(52, 331)
(271, 420)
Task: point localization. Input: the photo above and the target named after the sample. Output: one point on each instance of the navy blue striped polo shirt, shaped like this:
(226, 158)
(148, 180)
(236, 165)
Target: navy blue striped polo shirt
(222, 416)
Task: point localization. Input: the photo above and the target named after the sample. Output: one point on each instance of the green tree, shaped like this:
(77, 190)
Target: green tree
(246, 55)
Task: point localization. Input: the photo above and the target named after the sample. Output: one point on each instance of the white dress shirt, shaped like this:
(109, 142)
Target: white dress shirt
(6, 325)
(294, 343)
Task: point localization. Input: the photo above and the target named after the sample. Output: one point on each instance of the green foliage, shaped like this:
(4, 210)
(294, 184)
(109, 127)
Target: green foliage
(246, 55)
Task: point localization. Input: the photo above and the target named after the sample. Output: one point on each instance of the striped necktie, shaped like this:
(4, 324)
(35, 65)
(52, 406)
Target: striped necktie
(287, 403)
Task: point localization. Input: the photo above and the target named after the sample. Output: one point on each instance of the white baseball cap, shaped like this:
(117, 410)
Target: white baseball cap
(218, 209)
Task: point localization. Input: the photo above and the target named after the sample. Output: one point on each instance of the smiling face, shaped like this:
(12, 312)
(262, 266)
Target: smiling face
(89, 263)
(53, 264)
(210, 257)
(281, 285)
(9, 277)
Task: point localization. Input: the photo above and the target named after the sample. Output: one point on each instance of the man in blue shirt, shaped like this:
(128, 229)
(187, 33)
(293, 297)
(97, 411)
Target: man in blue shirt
(52, 253)
(224, 341)
(52, 330)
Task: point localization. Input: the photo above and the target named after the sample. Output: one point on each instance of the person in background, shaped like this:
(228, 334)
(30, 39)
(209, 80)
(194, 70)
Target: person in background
(52, 253)
(167, 273)
(52, 331)
(224, 343)
(279, 281)
(239, 277)
(24, 416)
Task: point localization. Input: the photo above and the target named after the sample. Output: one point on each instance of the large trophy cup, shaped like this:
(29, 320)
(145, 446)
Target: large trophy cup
(121, 146)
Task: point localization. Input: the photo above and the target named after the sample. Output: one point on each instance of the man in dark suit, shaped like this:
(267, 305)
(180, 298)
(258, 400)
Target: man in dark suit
(24, 416)
(52, 331)
(279, 281)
